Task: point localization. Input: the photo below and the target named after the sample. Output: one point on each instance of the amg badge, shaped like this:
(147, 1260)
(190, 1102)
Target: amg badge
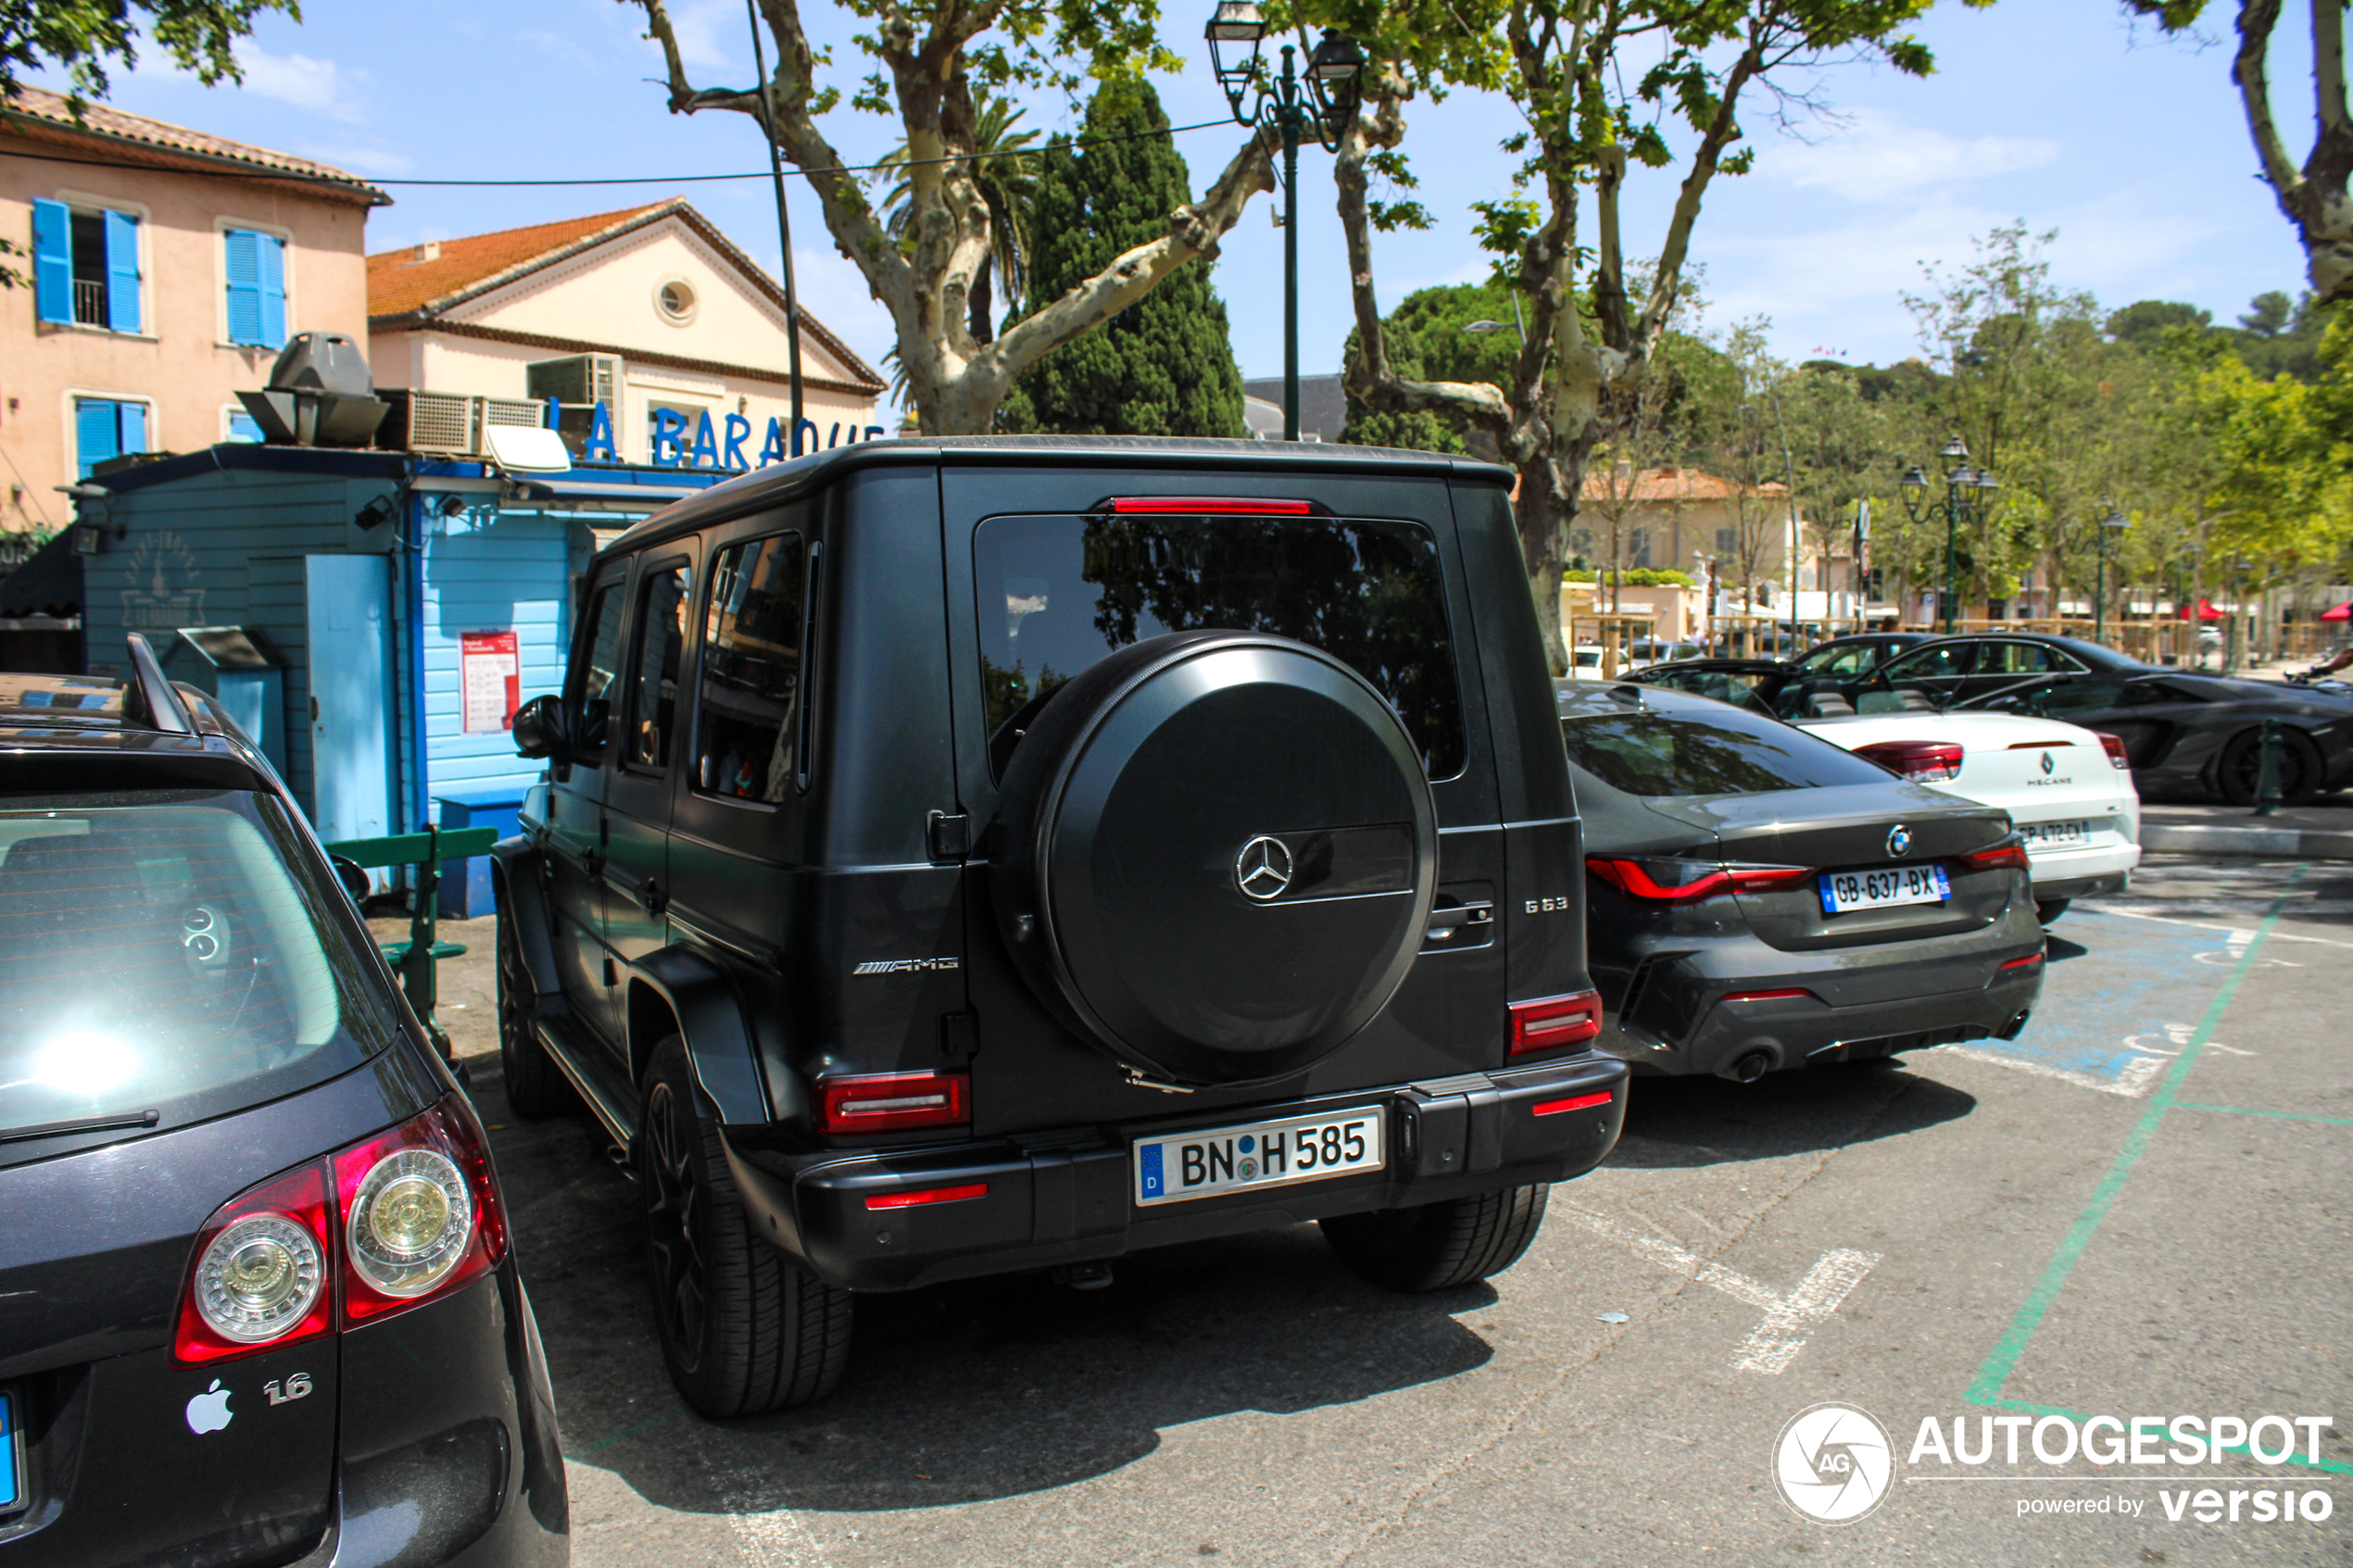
(904, 966)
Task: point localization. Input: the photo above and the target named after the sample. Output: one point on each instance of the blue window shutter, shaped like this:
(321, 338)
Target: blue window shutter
(244, 267)
(94, 434)
(134, 426)
(123, 272)
(270, 252)
(244, 427)
(53, 261)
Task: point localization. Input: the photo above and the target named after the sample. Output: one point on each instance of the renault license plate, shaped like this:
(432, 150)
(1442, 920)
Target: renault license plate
(11, 1455)
(1265, 1154)
(2051, 836)
(1845, 891)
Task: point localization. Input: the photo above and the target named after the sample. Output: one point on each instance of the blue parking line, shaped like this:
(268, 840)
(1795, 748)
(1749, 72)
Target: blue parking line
(2114, 1017)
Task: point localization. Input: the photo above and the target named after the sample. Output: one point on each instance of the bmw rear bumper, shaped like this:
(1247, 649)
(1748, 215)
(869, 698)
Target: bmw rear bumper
(1055, 1198)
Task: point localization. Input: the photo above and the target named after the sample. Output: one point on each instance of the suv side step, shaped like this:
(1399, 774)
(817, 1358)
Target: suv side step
(615, 1110)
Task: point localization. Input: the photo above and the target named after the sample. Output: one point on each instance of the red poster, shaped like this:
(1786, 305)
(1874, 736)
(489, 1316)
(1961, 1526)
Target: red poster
(489, 680)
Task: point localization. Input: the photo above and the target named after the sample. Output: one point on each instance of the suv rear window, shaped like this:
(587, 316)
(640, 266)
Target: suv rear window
(1730, 753)
(1056, 594)
(159, 951)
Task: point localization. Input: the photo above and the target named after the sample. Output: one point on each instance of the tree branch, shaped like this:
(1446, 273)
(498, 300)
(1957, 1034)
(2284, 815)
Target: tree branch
(2257, 18)
(1723, 130)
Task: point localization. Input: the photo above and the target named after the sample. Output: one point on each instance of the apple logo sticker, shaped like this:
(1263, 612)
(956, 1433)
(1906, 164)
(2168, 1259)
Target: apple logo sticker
(208, 1412)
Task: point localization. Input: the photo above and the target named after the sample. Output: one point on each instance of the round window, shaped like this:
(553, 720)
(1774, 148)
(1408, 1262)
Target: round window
(675, 298)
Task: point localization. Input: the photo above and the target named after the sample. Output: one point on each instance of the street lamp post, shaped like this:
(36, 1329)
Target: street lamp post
(1959, 476)
(2115, 522)
(1327, 102)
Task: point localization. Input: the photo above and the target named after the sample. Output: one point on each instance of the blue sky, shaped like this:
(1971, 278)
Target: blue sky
(2062, 114)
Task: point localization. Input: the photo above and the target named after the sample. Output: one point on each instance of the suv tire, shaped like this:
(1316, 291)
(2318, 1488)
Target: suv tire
(743, 1328)
(1440, 1246)
(536, 1088)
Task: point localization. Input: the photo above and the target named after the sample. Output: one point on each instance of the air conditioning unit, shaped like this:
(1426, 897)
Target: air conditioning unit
(582, 379)
(451, 423)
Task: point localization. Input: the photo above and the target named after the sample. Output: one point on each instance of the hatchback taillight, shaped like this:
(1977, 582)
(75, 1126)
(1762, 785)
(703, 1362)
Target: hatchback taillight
(1687, 882)
(2011, 854)
(884, 1102)
(2114, 746)
(1921, 761)
(1552, 1022)
(414, 1214)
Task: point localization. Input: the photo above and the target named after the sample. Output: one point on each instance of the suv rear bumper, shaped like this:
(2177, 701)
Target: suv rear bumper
(1069, 1196)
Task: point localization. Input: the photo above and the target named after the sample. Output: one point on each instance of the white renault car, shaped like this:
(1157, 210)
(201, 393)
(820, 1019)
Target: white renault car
(2069, 790)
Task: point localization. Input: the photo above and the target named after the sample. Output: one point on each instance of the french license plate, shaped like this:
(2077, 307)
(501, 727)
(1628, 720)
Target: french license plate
(1265, 1154)
(2053, 834)
(1845, 891)
(11, 1455)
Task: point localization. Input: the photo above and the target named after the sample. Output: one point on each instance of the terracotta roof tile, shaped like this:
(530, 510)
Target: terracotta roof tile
(417, 276)
(40, 115)
(1671, 484)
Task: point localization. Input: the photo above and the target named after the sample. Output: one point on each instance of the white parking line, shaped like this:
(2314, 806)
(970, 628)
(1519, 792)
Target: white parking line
(2132, 1080)
(1776, 1341)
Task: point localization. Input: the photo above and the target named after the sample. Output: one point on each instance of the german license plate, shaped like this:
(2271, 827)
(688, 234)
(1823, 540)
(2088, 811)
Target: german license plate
(1264, 1154)
(2052, 834)
(1845, 891)
(11, 1455)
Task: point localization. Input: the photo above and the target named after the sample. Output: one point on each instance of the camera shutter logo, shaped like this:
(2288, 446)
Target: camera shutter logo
(1833, 1463)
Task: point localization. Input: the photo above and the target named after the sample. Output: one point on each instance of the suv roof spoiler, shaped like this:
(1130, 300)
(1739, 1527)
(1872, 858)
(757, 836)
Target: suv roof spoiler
(165, 711)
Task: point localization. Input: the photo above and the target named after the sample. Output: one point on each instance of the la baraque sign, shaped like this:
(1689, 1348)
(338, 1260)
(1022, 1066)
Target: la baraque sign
(724, 448)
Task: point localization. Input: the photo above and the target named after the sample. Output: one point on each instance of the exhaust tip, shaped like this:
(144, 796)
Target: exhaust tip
(1084, 1277)
(1750, 1068)
(2015, 1027)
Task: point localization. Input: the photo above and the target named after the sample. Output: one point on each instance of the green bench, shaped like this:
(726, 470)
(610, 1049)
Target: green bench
(413, 961)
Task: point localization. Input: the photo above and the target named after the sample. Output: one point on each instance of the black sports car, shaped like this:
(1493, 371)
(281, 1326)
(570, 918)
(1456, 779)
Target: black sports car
(2195, 735)
(1785, 689)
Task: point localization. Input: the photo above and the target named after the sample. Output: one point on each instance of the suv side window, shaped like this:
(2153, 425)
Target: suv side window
(748, 721)
(594, 682)
(662, 642)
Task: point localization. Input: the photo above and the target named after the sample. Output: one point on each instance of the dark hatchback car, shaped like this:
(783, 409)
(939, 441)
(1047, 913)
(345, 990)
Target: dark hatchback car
(257, 1305)
(970, 856)
(2194, 735)
(1758, 898)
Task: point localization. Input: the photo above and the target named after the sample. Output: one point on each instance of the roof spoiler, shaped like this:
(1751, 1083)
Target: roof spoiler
(165, 711)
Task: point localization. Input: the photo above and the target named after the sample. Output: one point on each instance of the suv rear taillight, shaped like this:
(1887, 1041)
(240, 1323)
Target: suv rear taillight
(884, 1102)
(415, 1216)
(1921, 761)
(1552, 1022)
(2010, 853)
(2114, 746)
(1687, 882)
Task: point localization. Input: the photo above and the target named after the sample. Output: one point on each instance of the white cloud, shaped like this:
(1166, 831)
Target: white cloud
(712, 33)
(320, 86)
(1877, 156)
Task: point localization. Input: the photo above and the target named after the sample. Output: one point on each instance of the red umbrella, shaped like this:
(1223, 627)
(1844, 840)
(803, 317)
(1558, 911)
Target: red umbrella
(2206, 610)
(2342, 612)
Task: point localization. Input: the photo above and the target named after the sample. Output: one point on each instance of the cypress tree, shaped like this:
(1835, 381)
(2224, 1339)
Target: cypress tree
(1164, 365)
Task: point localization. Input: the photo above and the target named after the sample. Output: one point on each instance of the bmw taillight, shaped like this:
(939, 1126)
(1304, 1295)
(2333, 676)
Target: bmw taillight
(1687, 882)
(2114, 746)
(1921, 761)
(1554, 1022)
(886, 1102)
(2010, 853)
(403, 1218)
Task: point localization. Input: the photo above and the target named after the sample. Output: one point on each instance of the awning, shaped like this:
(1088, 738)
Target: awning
(2205, 611)
(2342, 612)
(602, 490)
(49, 583)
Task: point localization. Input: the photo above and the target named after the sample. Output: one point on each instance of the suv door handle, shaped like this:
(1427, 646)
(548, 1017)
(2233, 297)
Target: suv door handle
(655, 899)
(593, 863)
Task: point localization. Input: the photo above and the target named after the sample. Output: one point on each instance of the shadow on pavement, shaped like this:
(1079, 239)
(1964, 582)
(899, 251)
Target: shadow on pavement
(2058, 949)
(983, 1389)
(1683, 1121)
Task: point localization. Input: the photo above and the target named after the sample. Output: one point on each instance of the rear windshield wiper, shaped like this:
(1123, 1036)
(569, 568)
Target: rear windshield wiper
(84, 1125)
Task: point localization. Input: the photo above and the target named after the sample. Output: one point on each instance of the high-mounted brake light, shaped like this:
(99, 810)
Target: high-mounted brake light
(1687, 882)
(928, 1195)
(1920, 761)
(882, 1102)
(1208, 506)
(2010, 854)
(2038, 745)
(1550, 1022)
(1783, 994)
(2114, 746)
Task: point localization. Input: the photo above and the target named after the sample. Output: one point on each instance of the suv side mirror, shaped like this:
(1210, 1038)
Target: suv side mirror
(354, 880)
(540, 730)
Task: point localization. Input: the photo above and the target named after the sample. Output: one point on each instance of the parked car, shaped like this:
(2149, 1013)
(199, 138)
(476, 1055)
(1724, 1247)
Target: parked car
(2199, 736)
(1774, 687)
(1758, 898)
(965, 857)
(1949, 671)
(2069, 790)
(1857, 653)
(258, 1298)
(1585, 661)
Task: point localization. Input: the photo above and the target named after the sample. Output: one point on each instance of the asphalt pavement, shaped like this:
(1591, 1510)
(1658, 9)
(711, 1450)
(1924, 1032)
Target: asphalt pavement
(2142, 1207)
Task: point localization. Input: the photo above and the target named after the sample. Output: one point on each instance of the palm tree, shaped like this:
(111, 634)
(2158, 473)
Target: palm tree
(1005, 170)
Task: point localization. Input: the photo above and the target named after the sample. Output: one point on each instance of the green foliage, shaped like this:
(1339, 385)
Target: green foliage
(1166, 365)
(86, 37)
(1428, 340)
(1636, 577)
(1004, 170)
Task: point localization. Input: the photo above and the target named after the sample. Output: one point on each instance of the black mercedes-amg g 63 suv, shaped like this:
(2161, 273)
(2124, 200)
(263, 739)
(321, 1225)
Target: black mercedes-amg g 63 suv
(960, 857)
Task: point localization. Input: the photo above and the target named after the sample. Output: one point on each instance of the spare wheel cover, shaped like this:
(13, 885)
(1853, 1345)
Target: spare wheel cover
(1230, 855)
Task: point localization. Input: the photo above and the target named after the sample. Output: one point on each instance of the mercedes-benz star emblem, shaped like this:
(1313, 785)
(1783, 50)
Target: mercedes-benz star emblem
(1899, 840)
(1263, 869)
